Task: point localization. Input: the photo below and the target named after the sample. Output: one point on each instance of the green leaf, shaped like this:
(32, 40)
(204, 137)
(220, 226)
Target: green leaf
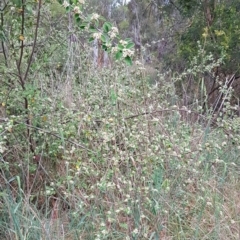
(16, 208)
(96, 23)
(166, 184)
(120, 46)
(128, 61)
(118, 55)
(104, 47)
(18, 182)
(18, 3)
(92, 29)
(107, 26)
(29, 8)
(128, 40)
(130, 45)
(91, 39)
(77, 18)
(103, 38)
(68, 9)
(83, 25)
(102, 18)
(73, 2)
(113, 97)
(89, 18)
(2, 36)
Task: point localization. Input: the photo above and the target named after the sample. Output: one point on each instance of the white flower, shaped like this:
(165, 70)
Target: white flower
(124, 43)
(114, 49)
(127, 52)
(2, 149)
(209, 203)
(232, 221)
(135, 231)
(104, 232)
(97, 35)
(71, 182)
(114, 29)
(112, 35)
(67, 163)
(224, 144)
(81, 1)
(65, 4)
(76, 10)
(72, 150)
(139, 64)
(108, 45)
(48, 192)
(95, 16)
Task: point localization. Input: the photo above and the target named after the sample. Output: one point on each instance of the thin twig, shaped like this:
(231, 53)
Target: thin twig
(48, 132)
(55, 135)
(35, 40)
(3, 46)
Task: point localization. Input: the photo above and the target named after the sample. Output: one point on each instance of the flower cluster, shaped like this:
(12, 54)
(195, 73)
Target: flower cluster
(114, 49)
(127, 52)
(2, 148)
(95, 16)
(97, 35)
(124, 43)
(138, 63)
(65, 4)
(113, 33)
(76, 10)
(108, 34)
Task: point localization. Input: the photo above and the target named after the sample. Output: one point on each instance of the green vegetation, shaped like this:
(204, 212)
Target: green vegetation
(117, 150)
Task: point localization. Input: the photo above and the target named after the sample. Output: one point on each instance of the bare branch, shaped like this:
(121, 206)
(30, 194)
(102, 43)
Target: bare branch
(35, 39)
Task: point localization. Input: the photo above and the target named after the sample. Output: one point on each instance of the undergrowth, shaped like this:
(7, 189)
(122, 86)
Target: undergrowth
(113, 156)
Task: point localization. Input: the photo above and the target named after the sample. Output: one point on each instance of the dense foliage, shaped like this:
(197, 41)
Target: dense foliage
(119, 120)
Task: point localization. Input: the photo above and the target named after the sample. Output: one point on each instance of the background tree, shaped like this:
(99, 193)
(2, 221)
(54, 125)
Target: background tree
(168, 32)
